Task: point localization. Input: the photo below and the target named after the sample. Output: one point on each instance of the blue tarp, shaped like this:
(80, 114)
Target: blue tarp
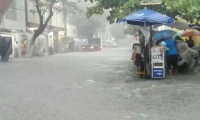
(147, 17)
(164, 34)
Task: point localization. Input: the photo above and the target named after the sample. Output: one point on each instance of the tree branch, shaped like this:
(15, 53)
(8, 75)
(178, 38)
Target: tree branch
(37, 7)
(50, 15)
(42, 25)
(44, 11)
(39, 11)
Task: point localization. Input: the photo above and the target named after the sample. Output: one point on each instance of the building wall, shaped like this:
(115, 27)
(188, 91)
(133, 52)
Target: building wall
(56, 20)
(71, 31)
(54, 25)
(14, 18)
(32, 13)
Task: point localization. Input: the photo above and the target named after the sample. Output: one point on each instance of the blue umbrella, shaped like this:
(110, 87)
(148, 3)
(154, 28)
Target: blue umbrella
(164, 34)
(147, 17)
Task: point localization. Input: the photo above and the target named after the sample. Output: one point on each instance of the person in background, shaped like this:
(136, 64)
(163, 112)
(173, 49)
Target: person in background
(16, 51)
(23, 48)
(172, 56)
(136, 56)
(190, 42)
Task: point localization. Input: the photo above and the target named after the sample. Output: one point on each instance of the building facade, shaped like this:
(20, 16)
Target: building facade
(14, 19)
(22, 19)
(13, 24)
(50, 35)
(71, 26)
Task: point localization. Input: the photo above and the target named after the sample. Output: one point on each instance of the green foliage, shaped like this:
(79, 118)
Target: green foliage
(88, 27)
(58, 5)
(186, 9)
(49, 6)
(69, 6)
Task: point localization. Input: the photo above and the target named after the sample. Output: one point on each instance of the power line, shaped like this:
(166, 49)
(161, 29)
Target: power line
(17, 8)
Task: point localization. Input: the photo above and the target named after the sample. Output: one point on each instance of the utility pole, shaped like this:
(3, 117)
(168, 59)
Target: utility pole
(65, 19)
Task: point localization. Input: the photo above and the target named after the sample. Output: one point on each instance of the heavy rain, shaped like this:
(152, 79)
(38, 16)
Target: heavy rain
(99, 60)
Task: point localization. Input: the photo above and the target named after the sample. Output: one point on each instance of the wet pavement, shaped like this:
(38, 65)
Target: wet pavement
(93, 86)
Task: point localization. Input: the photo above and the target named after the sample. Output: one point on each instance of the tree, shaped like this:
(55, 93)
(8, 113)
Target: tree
(117, 31)
(42, 8)
(186, 9)
(89, 27)
(48, 6)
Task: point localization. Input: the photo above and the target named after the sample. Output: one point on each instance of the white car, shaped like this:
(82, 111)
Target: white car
(109, 44)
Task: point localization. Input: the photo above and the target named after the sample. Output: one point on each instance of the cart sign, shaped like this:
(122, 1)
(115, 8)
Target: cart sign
(158, 73)
(151, 2)
(158, 62)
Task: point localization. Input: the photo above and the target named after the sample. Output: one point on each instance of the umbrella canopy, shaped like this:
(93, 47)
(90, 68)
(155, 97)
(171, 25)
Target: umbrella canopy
(147, 17)
(188, 33)
(164, 34)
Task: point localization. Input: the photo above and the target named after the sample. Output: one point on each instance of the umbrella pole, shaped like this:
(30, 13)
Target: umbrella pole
(150, 45)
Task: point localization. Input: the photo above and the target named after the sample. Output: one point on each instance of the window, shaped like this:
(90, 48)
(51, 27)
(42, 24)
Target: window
(11, 14)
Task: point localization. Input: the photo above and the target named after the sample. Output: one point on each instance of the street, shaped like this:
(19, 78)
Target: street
(92, 86)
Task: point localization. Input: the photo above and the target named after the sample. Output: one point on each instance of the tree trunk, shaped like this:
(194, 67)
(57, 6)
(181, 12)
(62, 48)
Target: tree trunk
(31, 44)
(30, 48)
(41, 27)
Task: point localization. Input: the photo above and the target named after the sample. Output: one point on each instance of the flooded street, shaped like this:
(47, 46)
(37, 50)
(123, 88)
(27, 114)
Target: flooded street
(92, 86)
(72, 59)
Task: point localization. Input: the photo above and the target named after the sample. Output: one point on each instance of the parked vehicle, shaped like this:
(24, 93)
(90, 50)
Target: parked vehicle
(93, 44)
(5, 48)
(110, 44)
